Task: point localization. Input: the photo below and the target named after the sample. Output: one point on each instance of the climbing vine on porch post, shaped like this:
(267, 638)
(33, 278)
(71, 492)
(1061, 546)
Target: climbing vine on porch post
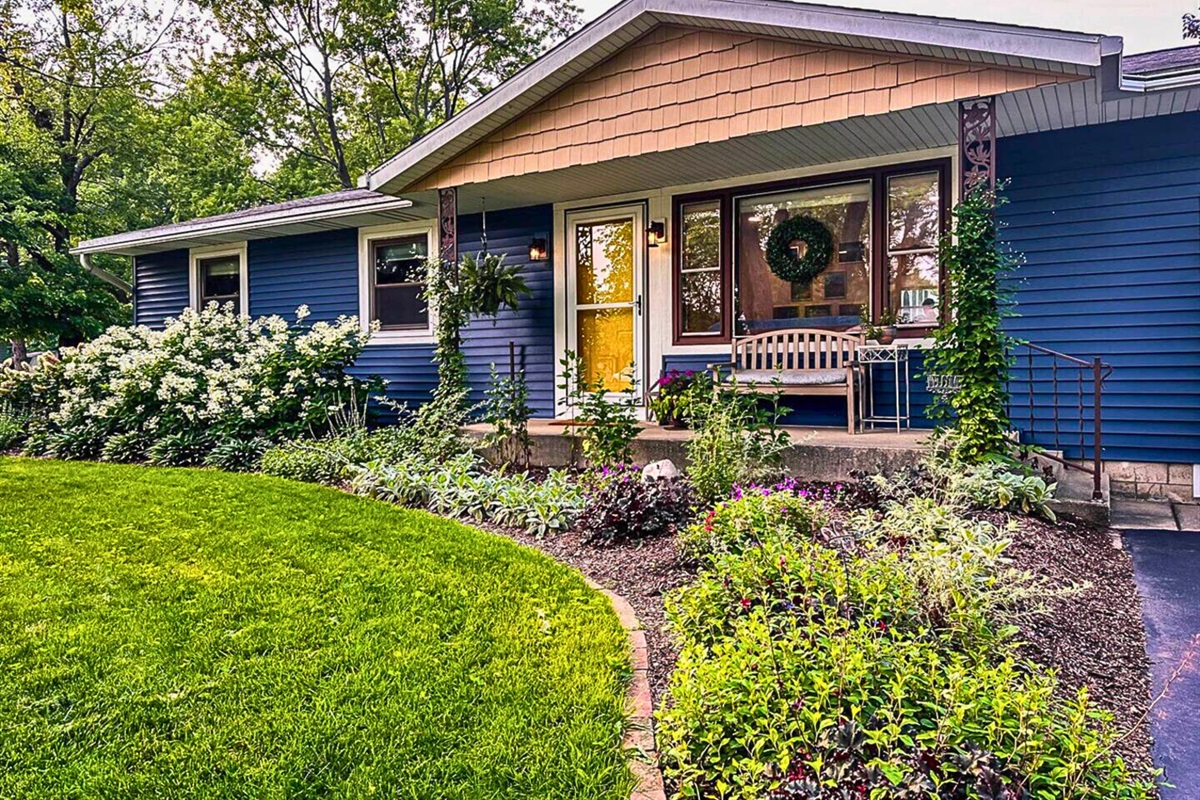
(971, 344)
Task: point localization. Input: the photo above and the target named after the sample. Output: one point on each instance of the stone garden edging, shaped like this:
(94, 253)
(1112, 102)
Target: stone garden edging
(639, 736)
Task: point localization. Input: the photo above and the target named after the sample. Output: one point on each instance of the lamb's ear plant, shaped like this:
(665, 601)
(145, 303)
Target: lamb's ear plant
(970, 343)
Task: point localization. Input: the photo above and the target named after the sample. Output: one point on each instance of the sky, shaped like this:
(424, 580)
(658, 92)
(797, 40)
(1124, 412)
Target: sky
(1145, 24)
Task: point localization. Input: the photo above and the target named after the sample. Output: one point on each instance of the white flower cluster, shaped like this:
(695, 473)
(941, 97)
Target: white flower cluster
(211, 370)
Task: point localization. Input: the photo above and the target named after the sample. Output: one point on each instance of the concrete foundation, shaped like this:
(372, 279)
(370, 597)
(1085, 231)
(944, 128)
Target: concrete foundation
(822, 454)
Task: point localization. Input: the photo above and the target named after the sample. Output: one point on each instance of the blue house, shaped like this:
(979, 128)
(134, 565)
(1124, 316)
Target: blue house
(637, 171)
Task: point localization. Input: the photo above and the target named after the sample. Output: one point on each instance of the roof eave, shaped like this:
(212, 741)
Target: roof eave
(135, 242)
(554, 69)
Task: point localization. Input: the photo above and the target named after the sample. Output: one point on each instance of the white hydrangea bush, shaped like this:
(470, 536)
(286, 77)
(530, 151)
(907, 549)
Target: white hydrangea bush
(212, 375)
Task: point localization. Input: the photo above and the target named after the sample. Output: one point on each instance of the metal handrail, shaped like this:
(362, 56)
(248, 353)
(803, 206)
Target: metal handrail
(1100, 371)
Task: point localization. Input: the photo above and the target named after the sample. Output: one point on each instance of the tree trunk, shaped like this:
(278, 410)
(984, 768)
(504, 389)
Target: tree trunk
(20, 352)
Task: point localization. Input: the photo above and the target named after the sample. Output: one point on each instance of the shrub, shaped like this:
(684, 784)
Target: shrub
(677, 393)
(737, 442)
(507, 411)
(754, 517)
(430, 437)
(208, 374)
(605, 426)
(624, 505)
(881, 668)
(959, 565)
(125, 448)
(188, 448)
(310, 461)
(14, 425)
(997, 483)
(237, 455)
(83, 442)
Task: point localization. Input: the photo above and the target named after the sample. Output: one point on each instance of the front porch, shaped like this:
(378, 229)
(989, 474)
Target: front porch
(823, 454)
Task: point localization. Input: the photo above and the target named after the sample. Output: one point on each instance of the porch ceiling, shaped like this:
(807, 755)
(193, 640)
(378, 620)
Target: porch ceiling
(909, 131)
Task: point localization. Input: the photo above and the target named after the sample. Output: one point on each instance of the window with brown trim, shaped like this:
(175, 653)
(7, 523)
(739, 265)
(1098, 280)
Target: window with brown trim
(885, 224)
(914, 220)
(700, 278)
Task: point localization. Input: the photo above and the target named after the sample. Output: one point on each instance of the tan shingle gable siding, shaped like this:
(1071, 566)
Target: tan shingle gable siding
(678, 87)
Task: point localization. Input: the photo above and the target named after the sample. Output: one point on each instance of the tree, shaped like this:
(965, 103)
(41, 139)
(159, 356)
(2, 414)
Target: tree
(332, 87)
(75, 81)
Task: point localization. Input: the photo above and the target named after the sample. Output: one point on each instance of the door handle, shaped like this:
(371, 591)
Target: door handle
(638, 305)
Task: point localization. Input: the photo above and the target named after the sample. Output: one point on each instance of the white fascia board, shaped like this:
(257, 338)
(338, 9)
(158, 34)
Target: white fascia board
(121, 243)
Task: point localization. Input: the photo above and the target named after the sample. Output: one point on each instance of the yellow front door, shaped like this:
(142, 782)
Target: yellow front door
(605, 259)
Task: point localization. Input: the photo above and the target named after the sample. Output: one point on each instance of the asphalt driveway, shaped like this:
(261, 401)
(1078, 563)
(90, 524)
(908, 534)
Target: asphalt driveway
(1166, 566)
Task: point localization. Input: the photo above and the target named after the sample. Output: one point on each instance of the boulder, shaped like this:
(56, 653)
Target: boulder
(660, 469)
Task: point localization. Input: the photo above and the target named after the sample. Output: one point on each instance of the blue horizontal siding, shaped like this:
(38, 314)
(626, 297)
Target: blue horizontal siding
(531, 327)
(161, 281)
(319, 270)
(1107, 218)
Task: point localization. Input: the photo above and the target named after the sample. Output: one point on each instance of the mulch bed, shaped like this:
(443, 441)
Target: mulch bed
(1093, 637)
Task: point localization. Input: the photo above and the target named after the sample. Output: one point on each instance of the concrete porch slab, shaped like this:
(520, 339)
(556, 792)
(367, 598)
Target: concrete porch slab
(825, 454)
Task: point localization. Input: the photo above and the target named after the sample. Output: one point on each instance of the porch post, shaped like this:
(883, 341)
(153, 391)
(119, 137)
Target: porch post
(448, 225)
(977, 145)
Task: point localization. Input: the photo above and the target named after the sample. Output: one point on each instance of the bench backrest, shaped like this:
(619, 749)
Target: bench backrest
(797, 349)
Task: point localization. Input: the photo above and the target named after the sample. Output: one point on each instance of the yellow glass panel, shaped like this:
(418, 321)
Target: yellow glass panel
(604, 263)
(606, 345)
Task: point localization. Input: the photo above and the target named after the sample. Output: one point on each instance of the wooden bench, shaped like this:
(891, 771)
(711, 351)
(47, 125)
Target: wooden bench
(796, 361)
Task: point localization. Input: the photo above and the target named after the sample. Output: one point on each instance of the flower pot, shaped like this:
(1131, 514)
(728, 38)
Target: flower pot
(887, 335)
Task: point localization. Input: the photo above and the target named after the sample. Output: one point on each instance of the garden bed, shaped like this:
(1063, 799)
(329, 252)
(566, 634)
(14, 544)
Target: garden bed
(1093, 637)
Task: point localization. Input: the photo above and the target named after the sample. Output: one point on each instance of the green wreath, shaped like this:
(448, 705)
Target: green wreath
(813, 257)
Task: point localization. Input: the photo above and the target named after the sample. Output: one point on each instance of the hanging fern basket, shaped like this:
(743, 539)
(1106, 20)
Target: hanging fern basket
(799, 249)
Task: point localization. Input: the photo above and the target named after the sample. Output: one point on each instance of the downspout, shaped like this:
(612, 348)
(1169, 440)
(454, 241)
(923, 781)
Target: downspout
(85, 259)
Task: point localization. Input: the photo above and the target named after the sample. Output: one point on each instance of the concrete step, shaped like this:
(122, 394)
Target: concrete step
(1073, 496)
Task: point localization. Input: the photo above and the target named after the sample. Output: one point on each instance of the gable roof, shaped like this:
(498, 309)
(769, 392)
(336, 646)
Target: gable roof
(979, 42)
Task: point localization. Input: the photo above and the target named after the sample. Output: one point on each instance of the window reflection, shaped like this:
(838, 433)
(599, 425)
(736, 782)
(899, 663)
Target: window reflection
(700, 269)
(914, 225)
(400, 266)
(832, 299)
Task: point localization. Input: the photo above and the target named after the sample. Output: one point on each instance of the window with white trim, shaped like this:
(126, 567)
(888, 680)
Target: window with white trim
(392, 263)
(220, 279)
(218, 275)
(398, 282)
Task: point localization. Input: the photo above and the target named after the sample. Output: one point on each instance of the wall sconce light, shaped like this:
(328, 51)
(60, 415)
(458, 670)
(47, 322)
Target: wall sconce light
(656, 234)
(538, 250)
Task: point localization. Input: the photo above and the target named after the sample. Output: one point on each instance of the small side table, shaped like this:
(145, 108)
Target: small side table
(872, 356)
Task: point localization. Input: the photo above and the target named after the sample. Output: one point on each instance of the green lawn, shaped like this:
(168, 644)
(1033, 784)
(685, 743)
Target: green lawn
(187, 633)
